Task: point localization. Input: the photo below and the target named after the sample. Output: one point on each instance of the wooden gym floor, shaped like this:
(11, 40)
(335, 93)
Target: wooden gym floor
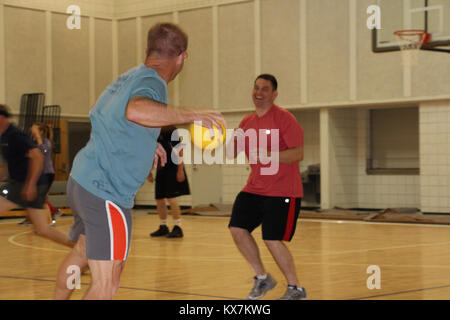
(332, 258)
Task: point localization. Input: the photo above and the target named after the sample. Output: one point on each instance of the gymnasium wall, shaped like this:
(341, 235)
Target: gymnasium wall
(103, 57)
(197, 85)
(435, 156)
(309, 120)
(98, 8)
(343, 157)
(25, 59)
(70, 65)
(38, 53)
(320, 50)
(382, 191)
(350, 185)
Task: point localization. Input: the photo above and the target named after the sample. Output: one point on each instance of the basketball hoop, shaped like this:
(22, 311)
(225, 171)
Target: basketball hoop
(411, 41)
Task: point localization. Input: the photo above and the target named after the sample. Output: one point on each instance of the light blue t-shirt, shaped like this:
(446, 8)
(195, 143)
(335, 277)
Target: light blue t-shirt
(119, 154)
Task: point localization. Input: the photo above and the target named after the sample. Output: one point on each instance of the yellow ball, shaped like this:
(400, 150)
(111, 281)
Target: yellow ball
(201, 136)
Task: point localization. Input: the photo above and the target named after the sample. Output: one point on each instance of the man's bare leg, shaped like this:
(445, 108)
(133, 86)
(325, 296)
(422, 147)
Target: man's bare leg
(249, 249)
(163, 230)
(38, 218)
(162, 209)
(174, 209)
(284, 260)
(105, 279)
(6, 205)
(76, 257)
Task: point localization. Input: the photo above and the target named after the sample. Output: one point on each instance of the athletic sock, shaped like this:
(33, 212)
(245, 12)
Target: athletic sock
(178, 222)
(292, 287)
(264, 277)
(163, 222)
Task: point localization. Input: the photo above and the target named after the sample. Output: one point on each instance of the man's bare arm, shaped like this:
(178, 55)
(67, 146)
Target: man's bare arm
(149, 113)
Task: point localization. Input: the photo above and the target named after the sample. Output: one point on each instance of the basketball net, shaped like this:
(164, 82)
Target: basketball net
(411, 43)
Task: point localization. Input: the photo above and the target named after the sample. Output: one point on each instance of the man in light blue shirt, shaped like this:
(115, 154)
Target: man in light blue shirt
(110, 169)
(118, 157)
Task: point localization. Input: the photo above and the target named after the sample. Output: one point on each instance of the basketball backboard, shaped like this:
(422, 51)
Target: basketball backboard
(432, 16)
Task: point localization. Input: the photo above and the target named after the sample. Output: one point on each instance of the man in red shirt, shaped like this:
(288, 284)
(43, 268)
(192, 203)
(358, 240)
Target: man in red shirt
(272, 196)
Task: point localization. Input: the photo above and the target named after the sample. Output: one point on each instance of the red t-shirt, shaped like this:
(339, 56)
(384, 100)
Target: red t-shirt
(287, 181)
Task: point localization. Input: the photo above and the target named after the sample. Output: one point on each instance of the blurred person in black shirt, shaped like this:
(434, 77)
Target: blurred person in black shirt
(27, 186)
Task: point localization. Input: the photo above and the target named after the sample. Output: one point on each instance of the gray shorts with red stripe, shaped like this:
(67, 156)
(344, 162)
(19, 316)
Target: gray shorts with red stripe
(106, 225)
(276, 215)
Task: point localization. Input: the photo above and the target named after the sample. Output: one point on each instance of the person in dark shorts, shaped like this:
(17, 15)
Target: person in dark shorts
(27, 185)
(40, 134)
(269, 199)
(171, 182)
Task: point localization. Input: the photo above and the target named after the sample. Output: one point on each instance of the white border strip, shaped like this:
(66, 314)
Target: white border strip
(158, 8)
(60, 6)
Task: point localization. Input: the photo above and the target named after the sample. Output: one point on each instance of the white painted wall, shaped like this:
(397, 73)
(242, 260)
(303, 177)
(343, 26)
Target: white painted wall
(351, 186)
(38, 53)
(435, 157)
